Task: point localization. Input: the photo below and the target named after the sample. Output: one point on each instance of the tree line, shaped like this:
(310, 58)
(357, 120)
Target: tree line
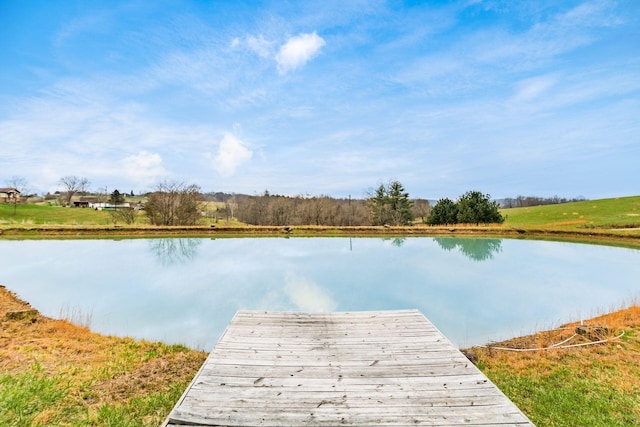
(386, 205)
(172, 203)
(179, 204)
(529, 201)
(279, 210)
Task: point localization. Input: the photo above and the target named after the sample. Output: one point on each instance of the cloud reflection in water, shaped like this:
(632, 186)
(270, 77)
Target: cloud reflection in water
(187, 290)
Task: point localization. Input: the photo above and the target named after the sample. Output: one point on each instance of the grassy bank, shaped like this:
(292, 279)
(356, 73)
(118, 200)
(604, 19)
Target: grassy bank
(593, 385)
(54, 373)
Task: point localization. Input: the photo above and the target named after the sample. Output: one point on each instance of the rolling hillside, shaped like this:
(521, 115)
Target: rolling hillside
(622, 212)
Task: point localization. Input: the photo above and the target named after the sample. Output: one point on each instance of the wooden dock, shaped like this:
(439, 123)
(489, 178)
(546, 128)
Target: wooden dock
(381, 368)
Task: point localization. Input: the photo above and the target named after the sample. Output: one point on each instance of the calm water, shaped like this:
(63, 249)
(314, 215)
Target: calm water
(187, 290)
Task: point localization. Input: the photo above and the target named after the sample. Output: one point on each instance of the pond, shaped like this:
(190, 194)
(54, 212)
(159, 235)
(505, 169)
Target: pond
(186, 290)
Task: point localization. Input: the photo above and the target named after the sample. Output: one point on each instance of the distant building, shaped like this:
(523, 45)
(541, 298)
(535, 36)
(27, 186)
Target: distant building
(107, 206)
(9, 195)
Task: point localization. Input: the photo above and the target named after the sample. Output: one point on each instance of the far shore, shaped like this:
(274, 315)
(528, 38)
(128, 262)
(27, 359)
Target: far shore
(607, 236)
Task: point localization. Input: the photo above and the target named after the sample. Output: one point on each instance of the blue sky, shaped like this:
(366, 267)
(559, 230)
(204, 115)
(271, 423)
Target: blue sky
(324, 97)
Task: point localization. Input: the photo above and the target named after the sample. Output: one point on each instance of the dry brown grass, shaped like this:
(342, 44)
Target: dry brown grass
(615, 363)
(101, 370)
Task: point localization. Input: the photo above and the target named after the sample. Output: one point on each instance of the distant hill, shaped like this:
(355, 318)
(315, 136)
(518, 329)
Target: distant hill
(619, 212)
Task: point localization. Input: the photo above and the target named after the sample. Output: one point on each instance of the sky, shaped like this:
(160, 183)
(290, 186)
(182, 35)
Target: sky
(537, 98)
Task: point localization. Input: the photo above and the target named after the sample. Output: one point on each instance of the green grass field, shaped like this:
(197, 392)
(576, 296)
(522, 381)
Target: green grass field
(51, 215)
(604, 213)
(36, 214)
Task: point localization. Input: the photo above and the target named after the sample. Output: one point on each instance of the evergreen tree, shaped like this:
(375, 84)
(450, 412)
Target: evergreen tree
(444, 212)
(475, 208)
(116, 197)
(379, 206)
(391, 205)
(399, 204)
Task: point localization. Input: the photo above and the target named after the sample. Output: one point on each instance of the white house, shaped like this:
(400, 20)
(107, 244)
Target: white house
(101, 206)
(9, 195)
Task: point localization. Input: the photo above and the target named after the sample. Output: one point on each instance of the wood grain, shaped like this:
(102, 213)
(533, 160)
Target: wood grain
(380, 368)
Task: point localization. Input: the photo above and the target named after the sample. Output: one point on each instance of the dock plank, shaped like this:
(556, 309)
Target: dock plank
(380, 368)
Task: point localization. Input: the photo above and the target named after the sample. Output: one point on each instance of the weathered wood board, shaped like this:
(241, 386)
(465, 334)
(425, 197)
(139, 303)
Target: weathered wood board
(377, 368)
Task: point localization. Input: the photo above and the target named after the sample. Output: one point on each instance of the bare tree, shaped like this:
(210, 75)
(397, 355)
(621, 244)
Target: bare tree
(421, 209)
(281, 211)
(174, 204)
(124, 214)
(230, 206)
(102, 194)
(22, 186)
(255, 209)
(321, 210)
(73, 184)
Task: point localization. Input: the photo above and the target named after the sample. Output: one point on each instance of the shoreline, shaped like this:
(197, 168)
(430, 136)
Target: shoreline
(86, 378)
(618, 237)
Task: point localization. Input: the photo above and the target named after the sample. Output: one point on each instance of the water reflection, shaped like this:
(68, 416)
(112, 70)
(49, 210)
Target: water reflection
(175, 250)
(396, 241)
(475, 249)
(306, 295)
(203, 282)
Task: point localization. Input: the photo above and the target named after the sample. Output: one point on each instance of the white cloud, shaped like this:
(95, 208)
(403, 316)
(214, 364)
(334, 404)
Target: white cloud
(297, 51)
(307, 296)
(258, 45)
(232, 152)
(143, 167)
